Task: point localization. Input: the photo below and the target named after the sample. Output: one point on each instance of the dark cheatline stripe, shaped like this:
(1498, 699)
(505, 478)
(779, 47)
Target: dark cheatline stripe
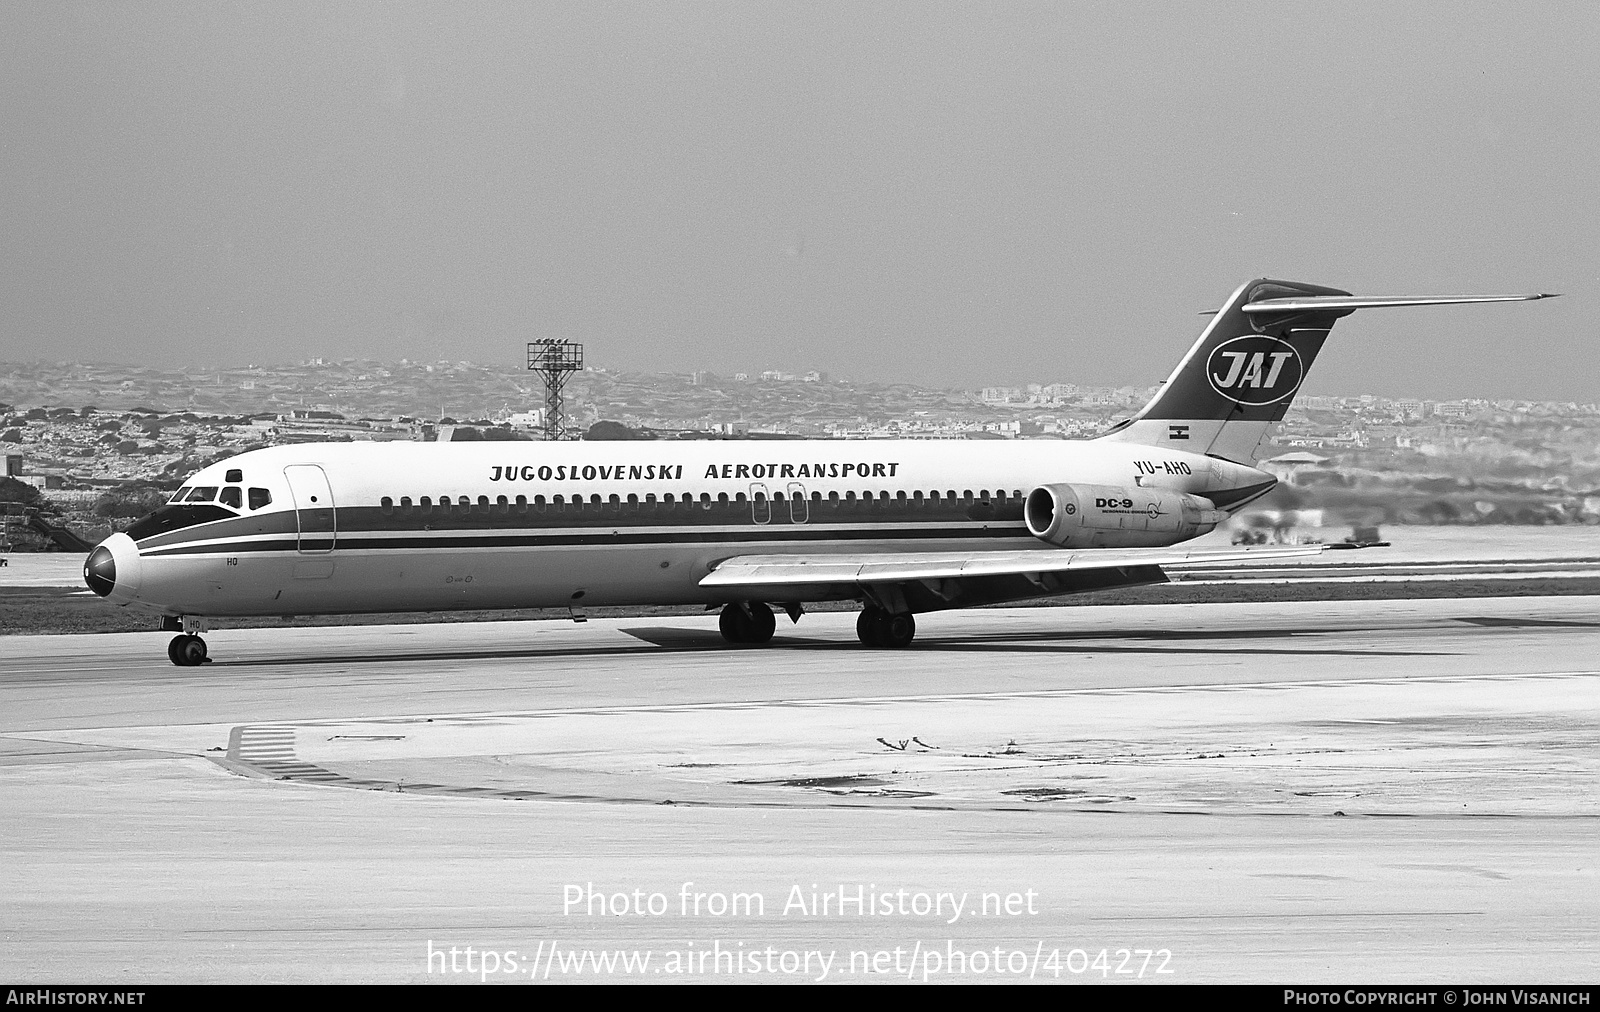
(422, 542)
(280, 522)
(514, 520)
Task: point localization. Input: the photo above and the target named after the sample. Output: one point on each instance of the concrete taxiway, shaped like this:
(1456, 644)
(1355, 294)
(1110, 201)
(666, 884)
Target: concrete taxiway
(1384, 791)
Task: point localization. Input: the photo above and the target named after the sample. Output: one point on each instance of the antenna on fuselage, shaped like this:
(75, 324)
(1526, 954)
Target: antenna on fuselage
(555, 361)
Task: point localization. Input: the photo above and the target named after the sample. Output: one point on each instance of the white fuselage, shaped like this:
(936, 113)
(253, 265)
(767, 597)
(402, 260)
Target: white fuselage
(540, 525)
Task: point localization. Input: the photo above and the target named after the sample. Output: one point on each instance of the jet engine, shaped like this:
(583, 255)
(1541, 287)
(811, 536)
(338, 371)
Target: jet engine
(1111, 516)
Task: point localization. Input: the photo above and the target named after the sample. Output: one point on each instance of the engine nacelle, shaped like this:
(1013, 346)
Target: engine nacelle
(1111, 516)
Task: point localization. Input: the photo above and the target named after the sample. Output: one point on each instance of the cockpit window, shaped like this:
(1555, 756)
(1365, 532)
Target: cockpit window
(202, 493)
(174, 518)
(259, 497)
(230, 496)
(178, 495)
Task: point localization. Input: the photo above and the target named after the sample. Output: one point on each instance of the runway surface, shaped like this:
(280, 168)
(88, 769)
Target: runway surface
(1393, 791)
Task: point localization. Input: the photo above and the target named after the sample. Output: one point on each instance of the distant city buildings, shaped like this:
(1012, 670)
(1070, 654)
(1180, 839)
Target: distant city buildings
(72, 426)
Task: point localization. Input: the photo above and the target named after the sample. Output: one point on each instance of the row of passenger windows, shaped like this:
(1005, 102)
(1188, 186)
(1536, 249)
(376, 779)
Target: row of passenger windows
(231, 495)
(577, 502)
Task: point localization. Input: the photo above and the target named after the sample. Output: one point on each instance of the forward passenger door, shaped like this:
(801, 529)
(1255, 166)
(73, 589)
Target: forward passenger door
(313, 507)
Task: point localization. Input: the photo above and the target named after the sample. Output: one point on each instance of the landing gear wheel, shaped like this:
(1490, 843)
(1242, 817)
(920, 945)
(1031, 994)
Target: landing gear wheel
(866, 627)
(765, 623)
(877, 628)
(187, 651)
(750, 623)
(896, 631)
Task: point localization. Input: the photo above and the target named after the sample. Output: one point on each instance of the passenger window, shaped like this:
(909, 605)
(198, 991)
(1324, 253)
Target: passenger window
(386, 503)
(204, 493)
(405, 504)
(259, 497)
(230, 496)
(233, 475)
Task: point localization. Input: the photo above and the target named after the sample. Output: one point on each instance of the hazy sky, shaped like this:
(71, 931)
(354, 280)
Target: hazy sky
(949, 194)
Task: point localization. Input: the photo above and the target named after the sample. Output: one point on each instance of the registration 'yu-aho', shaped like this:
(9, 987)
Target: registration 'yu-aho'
(902, 527)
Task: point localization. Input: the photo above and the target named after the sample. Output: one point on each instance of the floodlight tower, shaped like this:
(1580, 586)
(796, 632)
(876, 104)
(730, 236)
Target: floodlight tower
(555, 361)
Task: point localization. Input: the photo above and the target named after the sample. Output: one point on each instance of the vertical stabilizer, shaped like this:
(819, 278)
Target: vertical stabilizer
(1239, 378)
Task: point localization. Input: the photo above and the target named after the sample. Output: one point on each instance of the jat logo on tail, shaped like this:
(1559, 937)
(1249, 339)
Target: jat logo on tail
(1255, 370)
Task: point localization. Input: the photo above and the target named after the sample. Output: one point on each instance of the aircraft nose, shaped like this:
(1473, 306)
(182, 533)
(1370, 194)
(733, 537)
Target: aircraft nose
(100, 571)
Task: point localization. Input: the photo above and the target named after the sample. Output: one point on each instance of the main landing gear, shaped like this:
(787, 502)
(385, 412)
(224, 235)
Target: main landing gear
(747, 622)
(751, 623)
(877, 628)
(187, 650)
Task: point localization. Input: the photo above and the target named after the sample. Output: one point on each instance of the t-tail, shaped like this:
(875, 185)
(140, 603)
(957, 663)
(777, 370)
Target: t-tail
(1238, 379)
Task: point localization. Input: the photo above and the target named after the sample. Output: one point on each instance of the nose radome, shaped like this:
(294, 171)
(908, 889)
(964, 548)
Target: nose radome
(100, 571)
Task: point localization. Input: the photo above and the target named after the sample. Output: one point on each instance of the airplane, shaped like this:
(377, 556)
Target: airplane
(904, 527)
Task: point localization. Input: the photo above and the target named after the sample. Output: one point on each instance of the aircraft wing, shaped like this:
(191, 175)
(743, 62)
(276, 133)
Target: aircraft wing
(964, 579)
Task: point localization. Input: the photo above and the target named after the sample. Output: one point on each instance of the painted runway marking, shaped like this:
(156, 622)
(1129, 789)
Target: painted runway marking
(954, 697)
(268, 750)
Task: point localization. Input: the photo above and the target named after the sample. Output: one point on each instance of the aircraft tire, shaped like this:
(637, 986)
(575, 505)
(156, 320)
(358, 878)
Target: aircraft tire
(896, 631)
(747, 628)
(733, 623)
(867, 626)
(187, 651)
(764, 623)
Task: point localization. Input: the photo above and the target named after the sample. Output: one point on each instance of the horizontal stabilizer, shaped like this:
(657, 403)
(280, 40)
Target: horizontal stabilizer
(1324, 303)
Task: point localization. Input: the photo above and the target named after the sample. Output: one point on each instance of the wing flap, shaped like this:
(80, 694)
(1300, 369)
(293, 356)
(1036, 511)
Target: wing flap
(798, 571)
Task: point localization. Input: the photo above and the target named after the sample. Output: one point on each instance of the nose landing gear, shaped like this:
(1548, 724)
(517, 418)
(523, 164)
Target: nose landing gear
(187, 650)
